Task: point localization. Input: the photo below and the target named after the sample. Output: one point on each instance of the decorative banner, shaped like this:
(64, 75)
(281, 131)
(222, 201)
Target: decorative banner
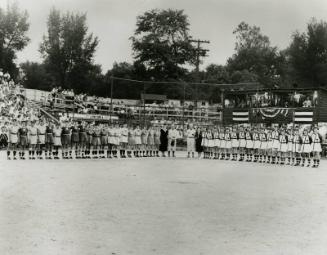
(271, 113)
(302, 116)
(241, 116)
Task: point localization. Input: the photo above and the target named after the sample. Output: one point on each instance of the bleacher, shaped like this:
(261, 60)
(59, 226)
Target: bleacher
(124, 111)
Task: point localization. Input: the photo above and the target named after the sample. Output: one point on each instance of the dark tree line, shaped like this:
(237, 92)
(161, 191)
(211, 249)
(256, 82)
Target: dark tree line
(162, 51)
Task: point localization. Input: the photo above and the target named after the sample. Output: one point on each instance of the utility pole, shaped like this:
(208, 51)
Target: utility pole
(200, 52)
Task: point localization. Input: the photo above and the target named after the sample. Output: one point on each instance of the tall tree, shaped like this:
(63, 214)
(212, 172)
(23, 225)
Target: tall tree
(254, 54)
(161, 43)
(13, 36)
(307, 55)
(68, 50)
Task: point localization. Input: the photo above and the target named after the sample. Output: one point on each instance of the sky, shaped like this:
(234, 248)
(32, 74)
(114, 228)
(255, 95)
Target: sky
(113, 21)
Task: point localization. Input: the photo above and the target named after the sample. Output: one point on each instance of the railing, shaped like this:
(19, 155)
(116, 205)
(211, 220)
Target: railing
(140, 111)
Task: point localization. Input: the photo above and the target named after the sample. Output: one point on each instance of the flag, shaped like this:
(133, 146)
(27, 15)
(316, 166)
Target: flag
(241, 116)
(273, 114)
(303, 116)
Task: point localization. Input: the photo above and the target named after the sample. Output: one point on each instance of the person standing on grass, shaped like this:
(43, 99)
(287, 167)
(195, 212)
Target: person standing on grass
(55, 141)
(41, 131)
(157, 134)
(13, 139)
(316, 146)
(198, 141)
(306, 148)
(163, 140)
(172, 140)
(190, 141)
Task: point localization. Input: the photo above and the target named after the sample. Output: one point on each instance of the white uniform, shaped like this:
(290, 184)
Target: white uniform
(204, 141)
(222, 141)
(123, 135)
(172, 138)
(249, 142)
(263, 140)
(275, 140)
(290, 143)
(210, 140)
(297, 147)
(13, 134)
(235, 142)
(316, 143)
(216, 139)
(228, 141)
(116, 136)
(137, 134)
(242, 141)
(57, 137)
(283, 143)
(32, 135)
(41, 134)
(190, 140)
(256, 139)
(306, 144)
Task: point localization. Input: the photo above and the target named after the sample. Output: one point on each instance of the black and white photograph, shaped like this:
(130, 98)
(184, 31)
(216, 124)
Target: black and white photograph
(163, 127)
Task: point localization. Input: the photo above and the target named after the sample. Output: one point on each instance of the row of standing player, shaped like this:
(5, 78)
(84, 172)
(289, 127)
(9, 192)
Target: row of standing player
(264, 145)
(81, 140)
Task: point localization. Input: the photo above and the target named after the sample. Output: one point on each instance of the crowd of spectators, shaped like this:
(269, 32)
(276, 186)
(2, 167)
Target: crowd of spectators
(12, 103)
(12, 106)
(271, 99)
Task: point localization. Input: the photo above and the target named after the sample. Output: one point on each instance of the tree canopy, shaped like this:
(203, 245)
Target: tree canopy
(13, 36)
(255, 57)
(161, 43)
(307, 55)
(68, 50)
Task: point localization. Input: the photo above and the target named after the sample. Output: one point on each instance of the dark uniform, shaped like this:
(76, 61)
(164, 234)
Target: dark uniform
(23, 141)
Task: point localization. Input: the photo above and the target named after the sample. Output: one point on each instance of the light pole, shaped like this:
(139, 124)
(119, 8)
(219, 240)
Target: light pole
(111, 95)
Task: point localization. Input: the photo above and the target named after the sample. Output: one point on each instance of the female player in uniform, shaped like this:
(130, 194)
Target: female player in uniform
(32, 140)
(222, 142)
(256, 144)
(23, 139)
(242, 143)
(283, 141)
(13, 139)
(83, 139)
(249, 144)
(151, 143)
(263, 146)
(275, 145)
(204, 143)
(297, 147)
(316, 147)
(131, 142)
(123, 140)
(75, 141)
(290, 156)
(235, 144)
(306, 148)
(144, 142)
(138, 141)
(41, 130)
(228, 144)
(56, 140)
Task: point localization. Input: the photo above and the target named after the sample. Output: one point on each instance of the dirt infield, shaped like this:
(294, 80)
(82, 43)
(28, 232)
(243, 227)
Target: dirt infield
(161, 206)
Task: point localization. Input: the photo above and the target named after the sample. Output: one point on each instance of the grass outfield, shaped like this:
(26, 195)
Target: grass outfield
(161, 206)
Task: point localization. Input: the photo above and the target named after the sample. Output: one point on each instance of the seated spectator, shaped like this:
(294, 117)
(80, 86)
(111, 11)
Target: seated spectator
(307, 102)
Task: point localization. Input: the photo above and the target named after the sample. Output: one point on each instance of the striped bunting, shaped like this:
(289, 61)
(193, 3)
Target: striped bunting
(303, 116)
(241, 116)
